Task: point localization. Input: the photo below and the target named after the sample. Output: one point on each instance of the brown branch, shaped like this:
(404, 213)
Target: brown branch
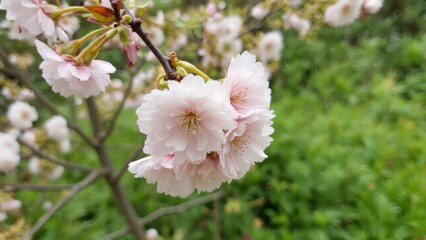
(132, 158)
(74, 190)
(118, 193)
(33, 187)
(259, 22)
(135, 24)
(55, 160)
(117, 112)
(180, 208)
(166, 211)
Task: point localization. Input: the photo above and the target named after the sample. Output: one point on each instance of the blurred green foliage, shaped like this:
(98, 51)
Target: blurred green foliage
(348, 160)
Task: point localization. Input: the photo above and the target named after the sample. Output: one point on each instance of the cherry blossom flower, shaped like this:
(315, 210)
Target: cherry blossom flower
(259, 11)
(188, 119)
(131, 46)
(29, 138)
(202, 134)
(34, 17)
(3, 216)
(52, 172)
(270, 46)
(8, 143)
(56, 128)
(21, 115)
(16, 32)
(8, 161)
(245, 144)
(162, 170)
(294, 21)
(10, 205)
(373, 6)
(226, 28)
(343, 12)
(208, 175)
(30, 14)
(247, 82)
(228, 49)
(65, 145)
(151, 234)
(69, 78)
(180, 179)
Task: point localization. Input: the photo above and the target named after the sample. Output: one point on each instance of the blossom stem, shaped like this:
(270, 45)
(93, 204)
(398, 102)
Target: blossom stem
(60, 12)
(192, 69)
(92, 34)
(135, 24)
(92, 50)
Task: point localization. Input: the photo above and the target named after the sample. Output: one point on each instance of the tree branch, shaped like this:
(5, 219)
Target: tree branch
(259, 22)
(55, 160)
(135, 24)
(132, 158)
(33, 187)
(74, 190)
(120, 196)
(180, 208)
(117, 112)
(165, 211)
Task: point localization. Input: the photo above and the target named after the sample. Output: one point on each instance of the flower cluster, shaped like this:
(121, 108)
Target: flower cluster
(52, 138)
(68, 77)
(345, 12)
(34, 17)
(8, 204)
(201, 134)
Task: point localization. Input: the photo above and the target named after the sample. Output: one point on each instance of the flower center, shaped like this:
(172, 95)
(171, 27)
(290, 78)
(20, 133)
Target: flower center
(240, 98)
(190, 121)
(25, 115)
(346, 9)
(239, 145)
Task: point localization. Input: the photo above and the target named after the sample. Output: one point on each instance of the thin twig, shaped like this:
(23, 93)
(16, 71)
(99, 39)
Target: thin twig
(117, 112)
(25, 79)
(259, 22)
(132, 158)
(74, 190)
(166, 211)
(118, 193)
(116, 234)
(135, 24)
(55, 160)
(180, 208)
(33, 187)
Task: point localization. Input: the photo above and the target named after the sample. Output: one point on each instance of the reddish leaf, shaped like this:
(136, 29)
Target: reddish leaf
(120, 4)
(101, 10)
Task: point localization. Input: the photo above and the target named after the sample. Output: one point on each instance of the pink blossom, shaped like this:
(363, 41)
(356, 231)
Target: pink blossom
(34, 17)
(294, 21)
(130, 47)
(259, 11)
(188, 119)
(69, 78)
(21, 115)
(373, 6)
(182, 179)
(270, 46)
(343, 12)
(245, 144)
(202, 134)
(161, 170)
(208, 175)
(247, 82)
